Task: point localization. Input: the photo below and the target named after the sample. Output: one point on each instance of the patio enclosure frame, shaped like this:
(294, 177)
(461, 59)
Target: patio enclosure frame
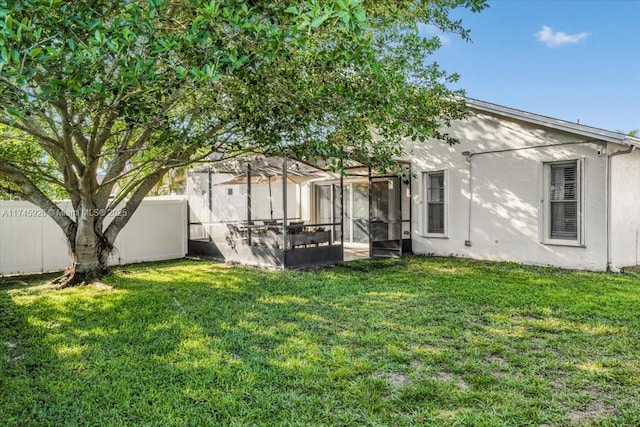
(286, 240)
(282, 242)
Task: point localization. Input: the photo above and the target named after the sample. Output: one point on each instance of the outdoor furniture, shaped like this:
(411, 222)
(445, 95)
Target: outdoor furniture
(236, 234)
(301, 236)
(253, 231)
(267, 236)
(295, 227)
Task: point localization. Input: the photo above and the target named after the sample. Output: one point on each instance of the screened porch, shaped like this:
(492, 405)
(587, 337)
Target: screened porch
(282, 213)
(257, 212)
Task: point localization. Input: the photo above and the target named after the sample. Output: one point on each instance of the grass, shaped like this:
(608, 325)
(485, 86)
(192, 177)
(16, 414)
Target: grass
(378, 342)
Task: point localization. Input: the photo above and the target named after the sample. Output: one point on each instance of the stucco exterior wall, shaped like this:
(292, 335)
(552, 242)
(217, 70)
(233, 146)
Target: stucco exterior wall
(625, 208)
(506, 214)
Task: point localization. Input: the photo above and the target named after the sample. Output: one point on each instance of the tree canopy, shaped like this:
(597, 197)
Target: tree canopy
(99, 99)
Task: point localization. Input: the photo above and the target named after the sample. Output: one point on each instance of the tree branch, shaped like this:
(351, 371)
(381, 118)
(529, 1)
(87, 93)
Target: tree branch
(33, 194)
(30, 130)
(132, 204)
(67, 137)
(116, 167)
(147, 184)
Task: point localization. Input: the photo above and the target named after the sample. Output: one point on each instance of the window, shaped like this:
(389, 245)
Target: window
(563, 202)
(435, 221)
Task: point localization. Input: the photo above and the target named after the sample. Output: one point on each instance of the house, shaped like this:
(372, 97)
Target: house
(518, 187)
(528, 188)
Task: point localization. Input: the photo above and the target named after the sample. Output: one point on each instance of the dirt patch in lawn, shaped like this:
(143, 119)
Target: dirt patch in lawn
(502, 366)
(398, 379)
(496, 360)
(594, 410)
(448, 377)
(417, 364)
(395, 379)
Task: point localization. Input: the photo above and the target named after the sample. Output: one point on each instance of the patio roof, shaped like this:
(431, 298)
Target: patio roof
(264, 169)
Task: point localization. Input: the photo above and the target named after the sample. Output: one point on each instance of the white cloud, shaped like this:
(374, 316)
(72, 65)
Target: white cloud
(430, 30)
(552, 39)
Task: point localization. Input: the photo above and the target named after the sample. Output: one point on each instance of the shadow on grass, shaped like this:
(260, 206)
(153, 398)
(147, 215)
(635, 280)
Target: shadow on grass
(398, 343)
(24, 357)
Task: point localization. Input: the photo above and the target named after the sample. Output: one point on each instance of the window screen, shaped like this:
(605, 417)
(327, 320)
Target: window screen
(563, 201)
(435, 203)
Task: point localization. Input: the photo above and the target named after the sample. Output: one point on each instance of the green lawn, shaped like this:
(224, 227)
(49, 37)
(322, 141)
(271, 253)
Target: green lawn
(384, 342)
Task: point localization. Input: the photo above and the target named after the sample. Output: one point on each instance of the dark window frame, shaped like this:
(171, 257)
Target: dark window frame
(436, 203)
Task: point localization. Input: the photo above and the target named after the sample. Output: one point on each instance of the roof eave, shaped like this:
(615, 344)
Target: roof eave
(550, 122)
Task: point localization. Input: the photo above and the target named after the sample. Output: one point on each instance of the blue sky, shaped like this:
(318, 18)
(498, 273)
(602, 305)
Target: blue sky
(568, 59)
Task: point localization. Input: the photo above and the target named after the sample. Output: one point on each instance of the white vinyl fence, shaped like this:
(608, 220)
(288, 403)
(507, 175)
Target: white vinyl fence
(31, 242)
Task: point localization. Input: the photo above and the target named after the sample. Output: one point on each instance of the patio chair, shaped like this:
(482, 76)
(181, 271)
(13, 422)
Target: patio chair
(236, 234)
(296, 227)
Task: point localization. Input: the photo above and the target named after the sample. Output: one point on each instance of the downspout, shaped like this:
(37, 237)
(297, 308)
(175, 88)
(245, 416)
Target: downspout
(341, 213)
(370, 212)
(249, 204)
(208, 227)
(469, 155)
(285, 214)
(610, 266)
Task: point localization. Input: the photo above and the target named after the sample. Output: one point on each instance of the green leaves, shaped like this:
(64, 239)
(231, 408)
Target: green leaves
(98, 37)
(14, 112)
(360, 15)
(319, 20)
(181, 72)
(306, 78)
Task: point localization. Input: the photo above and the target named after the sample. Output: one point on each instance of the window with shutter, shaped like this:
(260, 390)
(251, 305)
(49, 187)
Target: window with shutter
(563, 202)
(435, 197)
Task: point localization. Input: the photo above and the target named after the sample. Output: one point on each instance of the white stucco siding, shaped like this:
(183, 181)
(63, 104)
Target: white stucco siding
(306, 209)
(507, 213)
(625, 208)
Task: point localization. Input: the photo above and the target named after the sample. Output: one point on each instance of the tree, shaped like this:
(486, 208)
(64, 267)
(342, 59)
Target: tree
(128, 90)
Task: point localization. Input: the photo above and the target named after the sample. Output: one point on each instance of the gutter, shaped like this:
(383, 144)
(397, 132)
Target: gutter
(610, 266)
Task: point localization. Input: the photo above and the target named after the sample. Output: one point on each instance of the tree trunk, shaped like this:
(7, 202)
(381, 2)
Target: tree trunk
(90, 252)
